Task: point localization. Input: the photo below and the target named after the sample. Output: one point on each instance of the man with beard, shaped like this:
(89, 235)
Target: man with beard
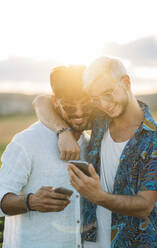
(37, 216)
(123, 142)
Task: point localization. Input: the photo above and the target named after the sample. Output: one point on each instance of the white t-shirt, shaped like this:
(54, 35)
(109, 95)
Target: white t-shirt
(110, 155)
(29, 162)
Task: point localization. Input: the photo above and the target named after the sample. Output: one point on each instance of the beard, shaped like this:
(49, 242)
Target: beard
(77, 127)
(68, 118)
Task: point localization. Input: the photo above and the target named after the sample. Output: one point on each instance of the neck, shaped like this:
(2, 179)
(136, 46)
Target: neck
(133, 115)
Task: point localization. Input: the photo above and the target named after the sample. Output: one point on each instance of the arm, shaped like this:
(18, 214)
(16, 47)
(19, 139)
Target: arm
(68, 147)
(46, 113)
(44, 200)
(12, 204)
(14, 175)
(139, 205)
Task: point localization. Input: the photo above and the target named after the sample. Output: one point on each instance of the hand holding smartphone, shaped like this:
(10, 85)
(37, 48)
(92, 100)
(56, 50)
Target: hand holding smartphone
(63, 190)
(81, 165)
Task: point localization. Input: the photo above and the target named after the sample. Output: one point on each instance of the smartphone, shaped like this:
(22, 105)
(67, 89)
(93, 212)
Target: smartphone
(81, 165)
(63, 190)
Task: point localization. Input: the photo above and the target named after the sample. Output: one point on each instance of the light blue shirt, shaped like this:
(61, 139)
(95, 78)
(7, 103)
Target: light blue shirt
(29, 162)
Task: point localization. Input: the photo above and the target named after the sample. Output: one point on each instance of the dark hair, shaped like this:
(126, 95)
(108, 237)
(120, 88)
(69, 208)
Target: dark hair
(66, 81)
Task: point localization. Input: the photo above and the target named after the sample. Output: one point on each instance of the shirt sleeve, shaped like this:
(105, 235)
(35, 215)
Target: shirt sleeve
(148, 176)
(15, 170)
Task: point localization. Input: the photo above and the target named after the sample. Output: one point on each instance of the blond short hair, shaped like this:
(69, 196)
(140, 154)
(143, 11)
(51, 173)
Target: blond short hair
(103, 65)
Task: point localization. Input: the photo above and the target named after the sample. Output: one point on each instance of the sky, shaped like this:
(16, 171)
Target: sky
(35, 35)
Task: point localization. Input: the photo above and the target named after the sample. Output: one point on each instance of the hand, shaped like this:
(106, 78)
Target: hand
(46, 200)
(68, 146)
(88, 187)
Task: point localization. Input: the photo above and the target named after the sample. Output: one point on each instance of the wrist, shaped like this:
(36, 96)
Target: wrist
(63, 130)
(101, 198)
(30, 202)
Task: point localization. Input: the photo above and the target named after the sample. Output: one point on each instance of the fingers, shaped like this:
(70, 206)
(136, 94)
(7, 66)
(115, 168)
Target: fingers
(73, 177)
(83, 184)
(48, 193)
(52, 195)
(70, 155)
(62, 155)
(77, 172)
(76, 153)
(80, 174)
(68, 147)
(76, 157)
(59, 196)
(74, 184)
(46, 200)
(47, 188)
(53, 208)
(73, 156)
(54, 205)
(74, 180)
(56, 202)
(92, 172)
(66, 155)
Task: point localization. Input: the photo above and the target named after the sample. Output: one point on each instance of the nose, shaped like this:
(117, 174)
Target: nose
(79, 112)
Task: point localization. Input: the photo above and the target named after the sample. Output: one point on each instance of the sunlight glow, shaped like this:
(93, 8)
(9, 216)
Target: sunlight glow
(26, 87)
(71, 30)
(147, 73)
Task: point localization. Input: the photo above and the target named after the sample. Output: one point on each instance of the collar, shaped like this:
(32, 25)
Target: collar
(148, 122)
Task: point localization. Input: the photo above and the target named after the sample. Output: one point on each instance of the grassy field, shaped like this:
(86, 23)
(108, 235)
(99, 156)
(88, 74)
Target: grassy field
(10, 125)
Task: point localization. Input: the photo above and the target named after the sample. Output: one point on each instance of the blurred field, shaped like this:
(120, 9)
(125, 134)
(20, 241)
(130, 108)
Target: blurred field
(154, 113)
(10, 125)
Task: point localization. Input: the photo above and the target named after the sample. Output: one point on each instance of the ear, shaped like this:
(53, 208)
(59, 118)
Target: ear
(126, 80)
(54, 100)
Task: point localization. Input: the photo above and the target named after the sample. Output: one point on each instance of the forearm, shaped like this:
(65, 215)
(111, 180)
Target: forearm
(46, 113)
(126, 205)
(12, 204)
(139, 205)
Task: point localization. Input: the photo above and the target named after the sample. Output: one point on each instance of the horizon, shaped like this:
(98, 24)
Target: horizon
(43, 34)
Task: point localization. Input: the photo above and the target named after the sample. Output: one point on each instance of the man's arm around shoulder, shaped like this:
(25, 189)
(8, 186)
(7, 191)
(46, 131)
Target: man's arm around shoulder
(68, 146)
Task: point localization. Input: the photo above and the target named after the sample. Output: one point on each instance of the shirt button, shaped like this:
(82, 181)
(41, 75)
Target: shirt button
(77, 196)
(78, 246)
(78, 221)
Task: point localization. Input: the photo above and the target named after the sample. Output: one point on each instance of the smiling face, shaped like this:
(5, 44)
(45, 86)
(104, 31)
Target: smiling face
(75, 112)
(70, 100)
(109, 95)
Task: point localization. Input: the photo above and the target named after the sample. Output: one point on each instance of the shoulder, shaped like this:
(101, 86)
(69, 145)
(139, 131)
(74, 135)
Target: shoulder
(33, 135)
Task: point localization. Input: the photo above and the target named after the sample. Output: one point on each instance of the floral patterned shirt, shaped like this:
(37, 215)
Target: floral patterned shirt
(137, 171)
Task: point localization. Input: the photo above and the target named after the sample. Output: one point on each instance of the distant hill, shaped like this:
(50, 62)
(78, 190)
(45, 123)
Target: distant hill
(151, 100)
(22, 104)
(16, 104)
